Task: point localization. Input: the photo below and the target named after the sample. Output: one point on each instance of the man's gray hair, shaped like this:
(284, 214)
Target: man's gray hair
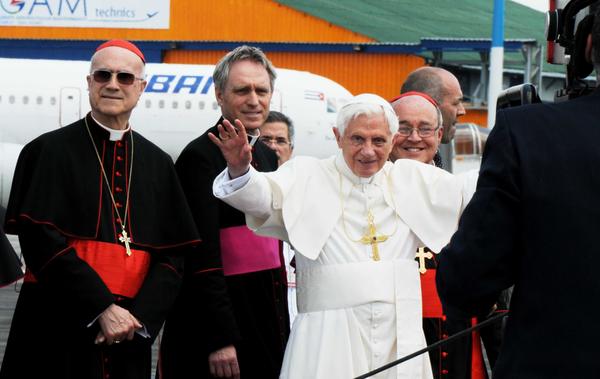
(240, 53)
(275, 116)
(368, 105)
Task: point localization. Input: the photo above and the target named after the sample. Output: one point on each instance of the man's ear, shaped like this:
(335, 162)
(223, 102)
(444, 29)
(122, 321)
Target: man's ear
(338, 136)
(219, 96)
(143, 85)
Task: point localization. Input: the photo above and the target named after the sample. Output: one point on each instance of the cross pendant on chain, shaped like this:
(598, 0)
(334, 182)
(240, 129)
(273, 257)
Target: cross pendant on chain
(422, 255)
(371, 238)
(124, 238)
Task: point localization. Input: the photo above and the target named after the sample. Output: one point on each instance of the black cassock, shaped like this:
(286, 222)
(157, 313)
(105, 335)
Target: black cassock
(10, 264)
(61, 209)
(246, 309)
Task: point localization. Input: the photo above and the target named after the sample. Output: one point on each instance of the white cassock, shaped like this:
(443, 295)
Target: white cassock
(355, 314)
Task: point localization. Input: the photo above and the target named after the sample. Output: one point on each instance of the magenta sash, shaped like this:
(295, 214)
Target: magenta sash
(242, 251)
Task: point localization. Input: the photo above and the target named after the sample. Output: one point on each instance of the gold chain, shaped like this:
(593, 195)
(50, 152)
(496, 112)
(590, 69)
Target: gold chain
(369, 213)
(121, 220)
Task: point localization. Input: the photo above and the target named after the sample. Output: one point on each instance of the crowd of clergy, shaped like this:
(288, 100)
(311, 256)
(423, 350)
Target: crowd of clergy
(258, 264)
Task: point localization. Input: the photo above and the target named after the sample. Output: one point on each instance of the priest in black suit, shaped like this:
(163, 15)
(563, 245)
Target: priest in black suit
(533, 223)
(243, 328)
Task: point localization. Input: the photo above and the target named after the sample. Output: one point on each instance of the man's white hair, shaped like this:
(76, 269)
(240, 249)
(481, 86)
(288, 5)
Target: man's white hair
(366, 104)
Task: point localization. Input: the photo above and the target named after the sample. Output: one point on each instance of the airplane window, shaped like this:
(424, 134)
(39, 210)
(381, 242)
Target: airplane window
(11, 99)
(188, 104)
(25, 100)
(161, 104)
(39, 100)
(215, 105)
(148, 103)
(53, 100)
(175, 105)
(201, 105)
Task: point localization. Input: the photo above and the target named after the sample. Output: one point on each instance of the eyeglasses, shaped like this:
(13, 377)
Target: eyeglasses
(422, 132)
(124, 78)
(281, 141)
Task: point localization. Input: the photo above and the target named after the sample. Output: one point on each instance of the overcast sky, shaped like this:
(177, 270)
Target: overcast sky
(539, 5)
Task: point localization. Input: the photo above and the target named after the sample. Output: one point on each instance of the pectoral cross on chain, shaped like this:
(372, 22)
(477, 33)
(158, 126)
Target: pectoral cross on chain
(371, 238)
(124, 238)
(422, 255)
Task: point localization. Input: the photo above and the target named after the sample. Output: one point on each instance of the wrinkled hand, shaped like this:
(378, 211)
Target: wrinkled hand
(233, 142)
(223, 363)
(116, 325)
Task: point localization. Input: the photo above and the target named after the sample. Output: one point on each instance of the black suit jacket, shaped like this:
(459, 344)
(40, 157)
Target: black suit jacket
(534, 222)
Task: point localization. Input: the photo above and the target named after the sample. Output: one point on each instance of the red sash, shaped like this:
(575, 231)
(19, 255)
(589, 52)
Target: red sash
(122, 274)
(432, 306)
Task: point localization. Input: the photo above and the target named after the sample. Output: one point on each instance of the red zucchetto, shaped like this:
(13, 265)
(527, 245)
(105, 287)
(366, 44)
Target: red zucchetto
(125, 45)
(416, 93)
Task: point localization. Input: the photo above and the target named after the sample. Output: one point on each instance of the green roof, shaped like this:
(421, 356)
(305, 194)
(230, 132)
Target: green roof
(410, 20)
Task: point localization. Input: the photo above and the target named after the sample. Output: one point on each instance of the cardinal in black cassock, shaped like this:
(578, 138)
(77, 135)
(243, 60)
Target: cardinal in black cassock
(78, 264)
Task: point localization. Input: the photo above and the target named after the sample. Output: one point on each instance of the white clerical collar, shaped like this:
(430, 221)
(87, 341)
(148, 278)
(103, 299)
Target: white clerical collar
(115, 135)
(342, 166)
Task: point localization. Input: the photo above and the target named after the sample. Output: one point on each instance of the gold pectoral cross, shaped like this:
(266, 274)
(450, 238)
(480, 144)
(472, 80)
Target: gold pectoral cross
(125, 240)
(422, 255)
(371, 238)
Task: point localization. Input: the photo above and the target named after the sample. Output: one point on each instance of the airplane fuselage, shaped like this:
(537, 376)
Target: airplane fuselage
(178, 105)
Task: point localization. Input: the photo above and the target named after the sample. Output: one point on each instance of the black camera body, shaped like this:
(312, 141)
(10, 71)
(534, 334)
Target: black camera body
(566, 32)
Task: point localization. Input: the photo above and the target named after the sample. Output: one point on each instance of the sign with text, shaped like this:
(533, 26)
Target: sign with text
(129, 14)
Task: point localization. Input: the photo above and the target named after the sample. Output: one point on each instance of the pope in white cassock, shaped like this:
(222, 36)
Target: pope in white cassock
(356, 222)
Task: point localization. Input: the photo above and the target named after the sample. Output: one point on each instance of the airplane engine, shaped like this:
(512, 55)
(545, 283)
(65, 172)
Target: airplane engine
(9, 152)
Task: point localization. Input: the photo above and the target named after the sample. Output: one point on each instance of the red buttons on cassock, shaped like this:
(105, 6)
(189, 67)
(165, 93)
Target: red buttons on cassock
(444, 336)
(118, 189)
(119, 205)
(443, 317)
(444, 354)
(119, 158)
(118, 173)
(444, 372)
(119, 143)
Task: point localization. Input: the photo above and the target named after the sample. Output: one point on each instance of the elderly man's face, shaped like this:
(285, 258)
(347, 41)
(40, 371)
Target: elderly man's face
(452, 107)
(113, 100)
(247, 94)
(418, 117)
(366, 144)
(276, 136)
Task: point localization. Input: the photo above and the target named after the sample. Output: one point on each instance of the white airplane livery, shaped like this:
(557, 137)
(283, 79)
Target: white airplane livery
(178, 105)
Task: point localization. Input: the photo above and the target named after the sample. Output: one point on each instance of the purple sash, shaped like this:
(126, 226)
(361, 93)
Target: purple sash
(242, 251)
